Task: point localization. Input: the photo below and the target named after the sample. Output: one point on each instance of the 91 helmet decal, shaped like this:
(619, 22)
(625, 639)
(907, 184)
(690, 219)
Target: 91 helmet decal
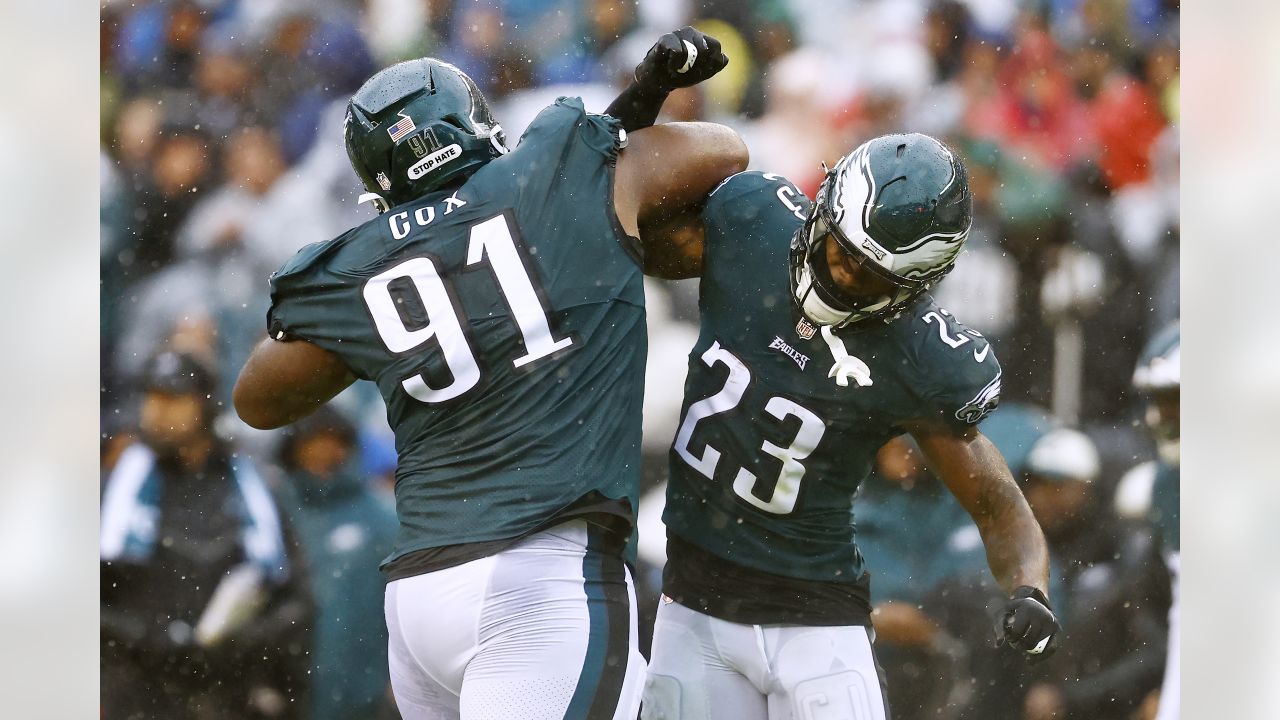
(416, 126)
(898, 206)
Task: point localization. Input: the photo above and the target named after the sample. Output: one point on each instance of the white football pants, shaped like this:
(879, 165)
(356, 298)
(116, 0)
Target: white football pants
(704, 668)
(543, 629)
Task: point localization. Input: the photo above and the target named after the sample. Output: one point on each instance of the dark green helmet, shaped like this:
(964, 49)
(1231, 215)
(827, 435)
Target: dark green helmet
(897, 207)
(416, 126)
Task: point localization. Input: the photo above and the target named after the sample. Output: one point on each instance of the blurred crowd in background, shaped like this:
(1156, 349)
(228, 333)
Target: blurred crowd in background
(221, 156)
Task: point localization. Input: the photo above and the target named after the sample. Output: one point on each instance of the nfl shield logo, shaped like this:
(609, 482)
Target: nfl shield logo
(384, 182)
(805, 329)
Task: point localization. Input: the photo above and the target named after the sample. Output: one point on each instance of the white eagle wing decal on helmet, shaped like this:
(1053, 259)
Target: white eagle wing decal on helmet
(929, 254)
(855, 172)
(920, 259)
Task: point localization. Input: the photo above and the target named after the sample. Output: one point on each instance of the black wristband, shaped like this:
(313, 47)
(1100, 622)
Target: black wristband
(1026, 591)
(637, 106)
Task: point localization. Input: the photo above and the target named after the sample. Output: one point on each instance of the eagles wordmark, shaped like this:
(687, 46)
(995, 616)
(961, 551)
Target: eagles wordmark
(780, 344)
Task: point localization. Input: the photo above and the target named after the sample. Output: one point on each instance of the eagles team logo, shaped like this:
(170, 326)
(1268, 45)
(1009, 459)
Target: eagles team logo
(982, 404)
(919, 260)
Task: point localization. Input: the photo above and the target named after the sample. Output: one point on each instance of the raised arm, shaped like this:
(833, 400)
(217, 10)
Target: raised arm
(663, 177)
(677, 166)
(977, 475)
(283, 381)
(681, 58)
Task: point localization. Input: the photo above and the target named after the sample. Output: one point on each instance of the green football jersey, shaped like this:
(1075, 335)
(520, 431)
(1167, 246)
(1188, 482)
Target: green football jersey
(1165, 498)
(503, 322)
(770, 450)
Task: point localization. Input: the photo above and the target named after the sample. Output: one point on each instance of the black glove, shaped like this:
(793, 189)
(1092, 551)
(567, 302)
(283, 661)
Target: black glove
(680, 59)
(1028, 624)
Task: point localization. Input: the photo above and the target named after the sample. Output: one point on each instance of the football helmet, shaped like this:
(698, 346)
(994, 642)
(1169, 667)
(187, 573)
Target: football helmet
(1159, 377)
(898, 209)
(416, 126)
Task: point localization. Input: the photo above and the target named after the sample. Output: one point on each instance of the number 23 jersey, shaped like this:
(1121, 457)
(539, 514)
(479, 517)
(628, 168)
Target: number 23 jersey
(770, 450)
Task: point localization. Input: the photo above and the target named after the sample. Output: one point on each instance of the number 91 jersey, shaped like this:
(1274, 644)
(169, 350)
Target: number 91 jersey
(503, 322)
(770, 449)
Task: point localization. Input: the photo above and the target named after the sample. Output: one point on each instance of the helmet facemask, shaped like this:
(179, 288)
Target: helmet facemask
(822, 300)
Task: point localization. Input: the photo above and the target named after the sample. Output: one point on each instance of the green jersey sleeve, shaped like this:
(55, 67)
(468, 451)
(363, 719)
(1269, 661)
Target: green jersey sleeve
(747, 199)
(957, 376)
(567, 118)
(291, 283)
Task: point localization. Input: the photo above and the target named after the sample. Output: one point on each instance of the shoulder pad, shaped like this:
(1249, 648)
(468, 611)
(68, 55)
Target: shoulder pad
(567, 115)
(307, 258)
(751, 186)
(955, 371)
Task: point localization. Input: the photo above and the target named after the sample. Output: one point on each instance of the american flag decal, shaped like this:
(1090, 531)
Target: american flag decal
(403, 127)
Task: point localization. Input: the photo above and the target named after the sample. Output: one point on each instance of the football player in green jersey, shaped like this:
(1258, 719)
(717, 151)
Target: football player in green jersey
(1159, 378)
(497, 303)
(819, 342)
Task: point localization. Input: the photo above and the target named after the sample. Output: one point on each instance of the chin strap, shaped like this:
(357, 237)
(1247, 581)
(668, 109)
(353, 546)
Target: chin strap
(846, 365)
(379, 203)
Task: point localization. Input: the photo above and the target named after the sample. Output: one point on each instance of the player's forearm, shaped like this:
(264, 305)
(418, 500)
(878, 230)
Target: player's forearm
(681, 58)
(673, 245)
(979, 478)
(637, 106)
(668, 169)
(1016, 550)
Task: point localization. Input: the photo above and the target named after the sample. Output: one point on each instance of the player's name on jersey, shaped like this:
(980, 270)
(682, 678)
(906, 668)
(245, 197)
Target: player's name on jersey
(422, 217)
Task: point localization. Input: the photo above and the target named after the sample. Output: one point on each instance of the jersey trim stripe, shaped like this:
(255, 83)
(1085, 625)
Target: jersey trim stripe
(604, 668)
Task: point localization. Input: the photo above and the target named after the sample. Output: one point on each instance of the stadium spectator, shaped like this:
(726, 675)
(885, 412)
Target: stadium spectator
(204, 610)
(344, 529)
(1151, 490)
(916, 536)
(1036, 112)
(177, 169)
(1112, 594)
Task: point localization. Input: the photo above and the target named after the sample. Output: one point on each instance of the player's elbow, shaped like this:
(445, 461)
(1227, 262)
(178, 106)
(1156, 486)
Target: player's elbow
(253, 409)
(730, 150)
(717, 150)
